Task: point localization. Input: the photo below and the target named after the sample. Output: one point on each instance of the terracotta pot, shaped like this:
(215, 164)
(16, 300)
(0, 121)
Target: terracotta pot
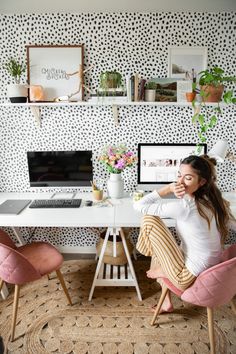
(120, 258)
(214, 93)
(190, 96)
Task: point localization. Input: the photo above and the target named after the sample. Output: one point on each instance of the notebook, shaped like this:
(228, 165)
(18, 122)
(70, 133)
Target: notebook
(13, 206)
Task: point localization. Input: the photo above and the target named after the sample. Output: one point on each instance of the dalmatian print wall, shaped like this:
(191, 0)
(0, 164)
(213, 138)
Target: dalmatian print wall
(129, 43)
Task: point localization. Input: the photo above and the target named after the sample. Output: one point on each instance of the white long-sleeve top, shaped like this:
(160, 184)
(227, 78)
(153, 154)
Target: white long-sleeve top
(200, 244)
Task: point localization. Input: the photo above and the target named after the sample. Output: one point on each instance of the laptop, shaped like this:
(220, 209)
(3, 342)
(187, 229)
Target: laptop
(13, 206)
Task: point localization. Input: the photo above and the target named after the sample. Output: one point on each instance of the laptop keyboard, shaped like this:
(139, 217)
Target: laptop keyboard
(55, 203)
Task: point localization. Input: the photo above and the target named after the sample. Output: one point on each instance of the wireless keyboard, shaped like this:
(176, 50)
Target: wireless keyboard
(55, 203)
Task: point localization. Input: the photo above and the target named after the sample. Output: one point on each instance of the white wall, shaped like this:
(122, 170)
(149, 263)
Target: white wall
(43, 6)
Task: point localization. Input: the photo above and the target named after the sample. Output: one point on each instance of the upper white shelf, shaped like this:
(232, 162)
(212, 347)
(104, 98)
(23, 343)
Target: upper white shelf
(84, 103)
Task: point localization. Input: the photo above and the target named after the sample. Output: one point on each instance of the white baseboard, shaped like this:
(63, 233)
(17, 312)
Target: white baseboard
(76, 249)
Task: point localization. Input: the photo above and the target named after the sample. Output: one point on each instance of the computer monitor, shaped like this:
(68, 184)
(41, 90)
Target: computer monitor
(158, 164)
(60, 168)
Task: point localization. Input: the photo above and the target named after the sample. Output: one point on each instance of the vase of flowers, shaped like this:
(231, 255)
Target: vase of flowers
(116, 159)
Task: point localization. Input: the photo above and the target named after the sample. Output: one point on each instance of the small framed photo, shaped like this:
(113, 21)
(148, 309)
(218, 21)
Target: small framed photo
(186, 62)
(57, 70)
(166, 89)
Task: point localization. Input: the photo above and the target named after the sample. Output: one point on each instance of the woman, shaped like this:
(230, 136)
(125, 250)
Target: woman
(202, 220)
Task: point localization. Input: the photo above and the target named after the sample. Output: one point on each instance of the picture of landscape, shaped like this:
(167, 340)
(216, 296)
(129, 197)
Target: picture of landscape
(166, 90)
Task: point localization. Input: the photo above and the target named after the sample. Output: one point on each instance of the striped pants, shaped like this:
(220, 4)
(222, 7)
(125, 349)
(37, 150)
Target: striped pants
(156, 240)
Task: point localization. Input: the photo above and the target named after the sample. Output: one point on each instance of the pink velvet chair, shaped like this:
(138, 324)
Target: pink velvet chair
(214, 287)
(20, 265)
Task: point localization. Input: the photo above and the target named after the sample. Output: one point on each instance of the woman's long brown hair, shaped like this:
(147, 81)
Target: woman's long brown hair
(209, 196)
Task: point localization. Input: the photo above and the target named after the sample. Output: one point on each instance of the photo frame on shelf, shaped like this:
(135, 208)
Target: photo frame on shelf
(57, 70)
(166, 89)
(186, 62)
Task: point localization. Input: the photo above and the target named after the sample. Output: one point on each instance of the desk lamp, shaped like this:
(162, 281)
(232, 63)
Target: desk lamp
(220, 151)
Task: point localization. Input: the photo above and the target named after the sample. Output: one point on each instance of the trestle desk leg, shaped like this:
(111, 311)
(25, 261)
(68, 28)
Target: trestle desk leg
(99, 263)
(130, 264)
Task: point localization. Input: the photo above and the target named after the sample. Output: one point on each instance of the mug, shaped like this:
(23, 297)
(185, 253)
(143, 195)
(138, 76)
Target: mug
(137, 195)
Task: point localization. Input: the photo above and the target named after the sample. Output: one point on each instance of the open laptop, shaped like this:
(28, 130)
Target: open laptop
(13, 206)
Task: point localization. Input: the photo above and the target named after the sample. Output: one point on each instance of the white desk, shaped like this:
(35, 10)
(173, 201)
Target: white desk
(114, 218)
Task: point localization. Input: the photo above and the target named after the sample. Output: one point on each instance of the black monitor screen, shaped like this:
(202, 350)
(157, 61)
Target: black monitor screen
(159, 163)
(60, 168)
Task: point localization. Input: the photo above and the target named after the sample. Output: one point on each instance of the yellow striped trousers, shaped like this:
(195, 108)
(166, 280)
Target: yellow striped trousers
(156, 240)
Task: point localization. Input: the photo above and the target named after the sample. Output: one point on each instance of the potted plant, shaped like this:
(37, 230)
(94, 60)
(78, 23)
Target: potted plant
(206, 116)
(212, 82)
(150, 91)
(16, 92)
(110, 81)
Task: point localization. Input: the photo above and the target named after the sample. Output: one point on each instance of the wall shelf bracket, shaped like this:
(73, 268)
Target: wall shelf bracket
(115, 114)
(37, 114)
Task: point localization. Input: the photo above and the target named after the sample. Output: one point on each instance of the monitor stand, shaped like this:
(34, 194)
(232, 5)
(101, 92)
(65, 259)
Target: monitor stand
(63, 195)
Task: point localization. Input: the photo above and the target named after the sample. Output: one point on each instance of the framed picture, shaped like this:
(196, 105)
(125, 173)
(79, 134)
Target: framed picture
(186, 62)
(57, 71)
(166, 89)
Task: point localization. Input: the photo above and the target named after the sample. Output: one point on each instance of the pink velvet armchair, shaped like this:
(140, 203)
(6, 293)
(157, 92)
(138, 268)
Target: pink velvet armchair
(214, 287)
(20, 265)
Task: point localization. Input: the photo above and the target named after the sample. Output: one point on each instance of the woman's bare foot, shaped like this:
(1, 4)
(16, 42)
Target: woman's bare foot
(166, 306)
(155, 273)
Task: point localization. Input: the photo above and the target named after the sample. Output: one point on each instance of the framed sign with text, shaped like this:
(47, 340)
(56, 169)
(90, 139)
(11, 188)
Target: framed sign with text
(58, 70)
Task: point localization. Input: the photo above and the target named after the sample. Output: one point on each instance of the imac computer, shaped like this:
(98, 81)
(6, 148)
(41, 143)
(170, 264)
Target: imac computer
(158, 164)
(60, 168)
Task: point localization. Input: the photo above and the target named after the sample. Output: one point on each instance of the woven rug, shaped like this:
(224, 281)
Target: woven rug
(113, 322)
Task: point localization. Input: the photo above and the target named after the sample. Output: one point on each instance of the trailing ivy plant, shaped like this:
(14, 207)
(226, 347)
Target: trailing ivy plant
(206, 117)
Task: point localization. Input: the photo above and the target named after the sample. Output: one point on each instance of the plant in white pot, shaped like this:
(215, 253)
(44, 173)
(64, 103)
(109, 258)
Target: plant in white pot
(150, 91)
(17, 92)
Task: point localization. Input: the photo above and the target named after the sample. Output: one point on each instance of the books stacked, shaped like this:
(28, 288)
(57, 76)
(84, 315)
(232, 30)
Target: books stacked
(135, 88)
(110, 95)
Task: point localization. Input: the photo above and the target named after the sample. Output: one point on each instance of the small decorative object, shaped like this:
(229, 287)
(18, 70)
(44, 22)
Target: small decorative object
(185, 62)
(48, 65)
(206, 116)
(110, 80)
(17, 92)
(97, 193)
(137, 195)
(36, 93)
(116, 159)
(80, 73)
(190, 96)
(150, 91)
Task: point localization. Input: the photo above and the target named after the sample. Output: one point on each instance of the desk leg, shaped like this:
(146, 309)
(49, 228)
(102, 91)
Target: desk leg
(130, 264)
(99, 263)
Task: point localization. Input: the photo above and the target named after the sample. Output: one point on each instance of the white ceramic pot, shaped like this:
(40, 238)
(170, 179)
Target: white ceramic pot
(17, 93)
(150, 95)
(115, 186)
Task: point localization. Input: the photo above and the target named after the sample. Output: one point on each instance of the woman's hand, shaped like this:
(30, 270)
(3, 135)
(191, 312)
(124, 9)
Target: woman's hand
(178, 189)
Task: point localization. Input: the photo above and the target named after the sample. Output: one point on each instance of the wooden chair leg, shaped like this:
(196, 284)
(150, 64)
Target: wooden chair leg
(15, 308)
(165, 291)
(1, 284)
(211, 330)
(60, 277)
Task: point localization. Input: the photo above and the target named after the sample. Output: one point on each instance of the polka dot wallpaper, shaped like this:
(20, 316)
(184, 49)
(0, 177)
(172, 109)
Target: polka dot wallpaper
(129, 43)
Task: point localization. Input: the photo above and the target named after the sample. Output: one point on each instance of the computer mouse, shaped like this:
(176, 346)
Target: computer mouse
(88, 203)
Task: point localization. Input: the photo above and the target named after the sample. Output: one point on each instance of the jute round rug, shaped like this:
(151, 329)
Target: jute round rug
(113, 322)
